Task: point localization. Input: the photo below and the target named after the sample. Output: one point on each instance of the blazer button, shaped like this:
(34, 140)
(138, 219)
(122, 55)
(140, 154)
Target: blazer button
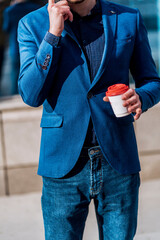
(47, 59)
(48, 56)
(89, 95)
(92, 152)
(46, 63)
(44, 67)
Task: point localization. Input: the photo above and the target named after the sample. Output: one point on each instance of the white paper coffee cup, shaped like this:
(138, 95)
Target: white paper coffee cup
(114, 95)
(117, 106)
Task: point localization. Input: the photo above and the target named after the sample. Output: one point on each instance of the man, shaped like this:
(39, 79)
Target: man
(12, 15)
(70, 55)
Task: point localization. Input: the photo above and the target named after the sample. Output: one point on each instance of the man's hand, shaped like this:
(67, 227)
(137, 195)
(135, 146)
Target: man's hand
(58, 13)
(131, 101)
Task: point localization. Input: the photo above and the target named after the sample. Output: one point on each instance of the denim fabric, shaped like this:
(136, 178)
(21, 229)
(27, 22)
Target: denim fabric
(65, 201)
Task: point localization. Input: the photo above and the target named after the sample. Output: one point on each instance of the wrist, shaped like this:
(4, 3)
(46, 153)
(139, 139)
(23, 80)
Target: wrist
(55, 33)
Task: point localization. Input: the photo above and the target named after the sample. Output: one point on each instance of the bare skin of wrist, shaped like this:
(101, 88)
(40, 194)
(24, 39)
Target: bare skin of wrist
(55, 33)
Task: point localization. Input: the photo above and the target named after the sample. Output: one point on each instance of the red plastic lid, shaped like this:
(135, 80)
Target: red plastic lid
(116, 89)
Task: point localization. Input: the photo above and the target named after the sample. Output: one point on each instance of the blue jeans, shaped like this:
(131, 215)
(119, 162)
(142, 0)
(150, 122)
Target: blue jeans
(65, 201)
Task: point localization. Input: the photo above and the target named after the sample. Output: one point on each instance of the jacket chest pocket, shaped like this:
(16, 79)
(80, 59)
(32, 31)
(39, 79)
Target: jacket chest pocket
(122, 51)
(125, 40)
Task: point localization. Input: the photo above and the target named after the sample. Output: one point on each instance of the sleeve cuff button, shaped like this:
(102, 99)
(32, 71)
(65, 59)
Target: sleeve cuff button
(44, 67)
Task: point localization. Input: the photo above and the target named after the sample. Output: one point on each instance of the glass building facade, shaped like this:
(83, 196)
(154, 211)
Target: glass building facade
(150, 10)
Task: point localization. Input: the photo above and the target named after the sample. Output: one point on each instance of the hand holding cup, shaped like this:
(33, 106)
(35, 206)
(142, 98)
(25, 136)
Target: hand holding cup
(125, 103)
(132, 102)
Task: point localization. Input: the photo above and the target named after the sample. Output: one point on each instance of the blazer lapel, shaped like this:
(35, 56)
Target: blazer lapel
(68, 31)
(109, 18)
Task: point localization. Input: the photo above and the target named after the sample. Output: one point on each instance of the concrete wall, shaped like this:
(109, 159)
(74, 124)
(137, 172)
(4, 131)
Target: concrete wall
(20, 142)
(19, 147)
(148, 139)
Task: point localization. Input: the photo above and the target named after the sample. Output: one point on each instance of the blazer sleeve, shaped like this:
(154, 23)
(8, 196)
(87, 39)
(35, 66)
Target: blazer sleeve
(38, 67)
(143, 68)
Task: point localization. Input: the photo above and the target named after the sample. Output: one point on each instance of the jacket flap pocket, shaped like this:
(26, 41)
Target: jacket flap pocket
(124, 40)
(51, 121)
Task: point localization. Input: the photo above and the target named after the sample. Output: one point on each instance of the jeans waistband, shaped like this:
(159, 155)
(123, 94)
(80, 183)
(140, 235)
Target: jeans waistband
(87, 151)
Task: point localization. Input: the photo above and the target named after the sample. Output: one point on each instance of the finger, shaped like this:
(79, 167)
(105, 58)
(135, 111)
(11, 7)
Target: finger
(132, 100)
(70, 15)
(63, 8)
(138, 113)
(65, 11)
(133, 108)
(106, 99)
(62, 3)
(128, 94)
(65, 17)
(50, 2)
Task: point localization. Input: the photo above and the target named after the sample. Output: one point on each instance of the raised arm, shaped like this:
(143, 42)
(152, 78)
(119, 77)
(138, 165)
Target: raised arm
(39, 64)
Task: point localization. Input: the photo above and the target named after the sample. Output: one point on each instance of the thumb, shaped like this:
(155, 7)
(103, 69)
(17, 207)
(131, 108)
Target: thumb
(106, 99)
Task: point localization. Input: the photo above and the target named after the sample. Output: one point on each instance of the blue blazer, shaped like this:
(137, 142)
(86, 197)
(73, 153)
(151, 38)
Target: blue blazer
(70, 99)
